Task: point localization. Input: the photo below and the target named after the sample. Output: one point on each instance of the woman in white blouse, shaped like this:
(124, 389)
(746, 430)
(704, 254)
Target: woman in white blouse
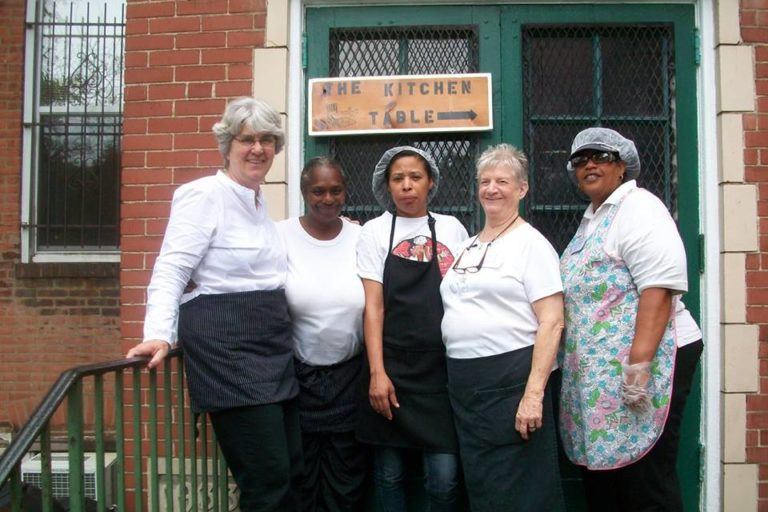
(325, 301)
(503, 317)
(631, 347)
(233, 325)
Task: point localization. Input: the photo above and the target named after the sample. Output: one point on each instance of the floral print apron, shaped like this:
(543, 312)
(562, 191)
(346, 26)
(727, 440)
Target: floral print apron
(601, 302)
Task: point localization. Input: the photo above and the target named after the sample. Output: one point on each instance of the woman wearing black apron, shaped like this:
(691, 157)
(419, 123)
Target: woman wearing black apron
(401, 259)
(233, 317)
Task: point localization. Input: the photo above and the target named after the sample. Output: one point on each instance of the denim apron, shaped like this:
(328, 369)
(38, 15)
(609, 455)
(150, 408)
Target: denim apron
(601, 301)
(414, 358)
(237, 350)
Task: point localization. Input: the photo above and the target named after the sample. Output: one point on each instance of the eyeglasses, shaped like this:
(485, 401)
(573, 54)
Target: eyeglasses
(472, 269)
(265, 141)
(599, 157)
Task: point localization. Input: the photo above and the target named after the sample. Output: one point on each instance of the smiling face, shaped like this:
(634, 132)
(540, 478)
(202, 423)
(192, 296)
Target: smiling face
(249, 162)
(409, 184)
(598, 181)
(500, 192)
(324, 194)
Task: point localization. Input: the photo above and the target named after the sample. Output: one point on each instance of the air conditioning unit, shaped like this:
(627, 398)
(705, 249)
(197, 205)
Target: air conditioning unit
(31, 473)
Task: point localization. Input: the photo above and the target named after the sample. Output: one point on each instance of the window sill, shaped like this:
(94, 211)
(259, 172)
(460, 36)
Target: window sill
(52, 270)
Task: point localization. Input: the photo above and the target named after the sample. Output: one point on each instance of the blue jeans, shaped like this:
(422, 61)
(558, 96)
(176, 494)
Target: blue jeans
(441, 479)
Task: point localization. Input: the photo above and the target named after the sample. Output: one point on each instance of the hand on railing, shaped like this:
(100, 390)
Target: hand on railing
(156, 349)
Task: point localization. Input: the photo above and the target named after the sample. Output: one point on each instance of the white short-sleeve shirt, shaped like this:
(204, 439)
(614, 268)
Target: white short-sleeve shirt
(412, 240)
(325, 296)
(645, 237)
(490, 312)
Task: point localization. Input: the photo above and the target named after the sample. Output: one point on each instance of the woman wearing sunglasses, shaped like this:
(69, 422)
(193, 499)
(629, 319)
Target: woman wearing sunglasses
(503, 318)
(631, 347)
(401, 258)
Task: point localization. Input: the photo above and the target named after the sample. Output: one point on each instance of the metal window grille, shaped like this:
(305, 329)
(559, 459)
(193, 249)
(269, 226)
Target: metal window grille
(77, 124)
(407, 51)
(620, 77)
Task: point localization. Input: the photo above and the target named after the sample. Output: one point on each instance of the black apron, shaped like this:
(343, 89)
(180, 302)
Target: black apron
(237, 350)
(414, 358)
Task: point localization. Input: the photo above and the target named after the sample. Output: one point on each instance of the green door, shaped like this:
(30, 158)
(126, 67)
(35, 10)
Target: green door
(556, 69)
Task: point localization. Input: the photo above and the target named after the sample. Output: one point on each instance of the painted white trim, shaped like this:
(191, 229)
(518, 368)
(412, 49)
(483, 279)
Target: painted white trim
(295, 106)
(77, 257)
(709, 214)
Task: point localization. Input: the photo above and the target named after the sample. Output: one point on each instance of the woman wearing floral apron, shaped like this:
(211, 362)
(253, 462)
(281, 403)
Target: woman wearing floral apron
(631, 347)
(401, 258)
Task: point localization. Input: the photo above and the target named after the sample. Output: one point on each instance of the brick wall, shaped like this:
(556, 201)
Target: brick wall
(184, 60)
(52, 316)
(754, 31)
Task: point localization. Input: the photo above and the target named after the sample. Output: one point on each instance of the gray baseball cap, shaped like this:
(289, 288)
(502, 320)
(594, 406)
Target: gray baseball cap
(605, 139)
(379, 180)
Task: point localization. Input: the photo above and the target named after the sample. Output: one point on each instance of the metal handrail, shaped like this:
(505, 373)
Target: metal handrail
(21, 443)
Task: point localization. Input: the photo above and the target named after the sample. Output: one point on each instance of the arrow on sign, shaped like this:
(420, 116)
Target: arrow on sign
(461, 114)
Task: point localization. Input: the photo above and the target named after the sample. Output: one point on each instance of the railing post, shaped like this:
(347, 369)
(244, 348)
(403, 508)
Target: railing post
(101, 493)
(75, 442)
(16, 491)
(119, 440)
(46, 483)
(153, 487)
(137, 439)
(168, 437)
(182, 441)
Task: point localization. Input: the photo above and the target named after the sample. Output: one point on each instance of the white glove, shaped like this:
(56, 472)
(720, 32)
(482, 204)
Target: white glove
(634, 387)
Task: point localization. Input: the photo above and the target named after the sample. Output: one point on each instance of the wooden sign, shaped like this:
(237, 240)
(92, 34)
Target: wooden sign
(400, 104)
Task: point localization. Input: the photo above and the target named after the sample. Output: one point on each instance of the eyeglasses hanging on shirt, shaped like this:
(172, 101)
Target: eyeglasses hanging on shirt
(473, 269)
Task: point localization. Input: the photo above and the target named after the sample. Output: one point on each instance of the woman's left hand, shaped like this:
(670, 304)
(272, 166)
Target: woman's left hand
(528, 417)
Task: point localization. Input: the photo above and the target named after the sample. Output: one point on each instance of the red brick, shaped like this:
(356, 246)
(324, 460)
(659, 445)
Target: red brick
(200, 90)
(161, 192)
(148, 42)
(166, 91)
(247, 5)
(149, 9)
(201, 7)
(140, 243)
(757, 279)
(146, 176)
(756, 139)
(146, 142)
(174, 57)
(133, 159)
(135, 93)
(133, 193)
(229, 55)
(148, 75)
(148, 109)
(171, 159)
(132, 227)
(228, 22)
(750, 156)
(136, 27)
(748, 18)
(199, 73)
(174, 25)
(240, 72)
(156, 226)
(761, 53)
(203, 40)
(249, 38)
(230, 89)
(192, 141)
(172, 125)
(144, 211)
(211, 158)
(191, 107)
(136, 60)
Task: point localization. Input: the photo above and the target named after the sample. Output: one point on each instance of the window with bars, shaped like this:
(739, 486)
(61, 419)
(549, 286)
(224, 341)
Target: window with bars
(574, 77)
(405, 50)
(73, 125)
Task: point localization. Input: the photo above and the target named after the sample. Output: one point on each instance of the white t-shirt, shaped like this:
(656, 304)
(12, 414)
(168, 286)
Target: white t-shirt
(645, 237)
(325, 296)
(490, 312)
(219, 237)
(412, 241)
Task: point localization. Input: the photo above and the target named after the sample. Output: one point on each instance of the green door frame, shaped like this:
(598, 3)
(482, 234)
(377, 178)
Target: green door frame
(500, 36)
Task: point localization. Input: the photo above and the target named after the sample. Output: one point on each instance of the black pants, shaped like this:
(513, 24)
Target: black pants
(262, 447)
(650, 484)
(335, 469)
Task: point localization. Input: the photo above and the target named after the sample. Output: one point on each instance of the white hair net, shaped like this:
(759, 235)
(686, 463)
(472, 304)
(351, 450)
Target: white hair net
(605, 139)
(379, 180)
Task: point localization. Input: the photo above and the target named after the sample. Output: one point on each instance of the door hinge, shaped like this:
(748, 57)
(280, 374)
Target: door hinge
(696, 46)
(701, 253)
(304, 51)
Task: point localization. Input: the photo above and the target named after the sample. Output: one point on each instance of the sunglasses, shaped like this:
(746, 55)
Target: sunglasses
(599, 157)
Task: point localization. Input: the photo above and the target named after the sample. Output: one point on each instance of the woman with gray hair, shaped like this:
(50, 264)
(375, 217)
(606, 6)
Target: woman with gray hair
(220, 278)
(631, 347)
(503, 317)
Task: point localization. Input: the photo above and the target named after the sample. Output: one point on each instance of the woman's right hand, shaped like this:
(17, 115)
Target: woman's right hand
(381, 394)
(156, 349)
